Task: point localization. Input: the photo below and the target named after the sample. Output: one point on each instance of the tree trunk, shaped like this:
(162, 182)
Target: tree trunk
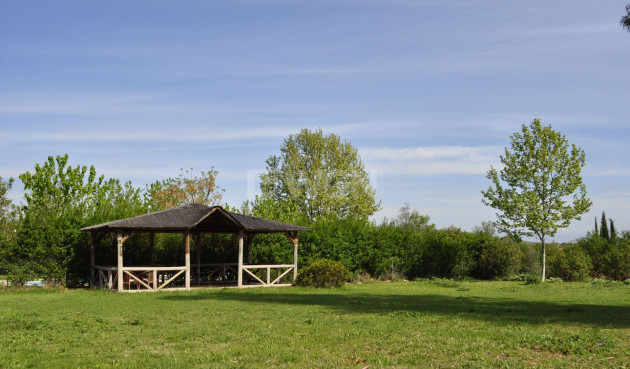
(544, 257)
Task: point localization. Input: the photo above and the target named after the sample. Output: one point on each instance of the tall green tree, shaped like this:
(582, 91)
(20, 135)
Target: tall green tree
(540, 187)
(8, 212)
(60, 199)
(322, 175)
(603, 229)
(613, 231)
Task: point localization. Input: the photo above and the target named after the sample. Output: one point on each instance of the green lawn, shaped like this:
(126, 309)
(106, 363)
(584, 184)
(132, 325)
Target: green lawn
(382, 325)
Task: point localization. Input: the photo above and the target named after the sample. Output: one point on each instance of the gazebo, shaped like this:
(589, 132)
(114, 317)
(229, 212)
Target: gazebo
(195, 219)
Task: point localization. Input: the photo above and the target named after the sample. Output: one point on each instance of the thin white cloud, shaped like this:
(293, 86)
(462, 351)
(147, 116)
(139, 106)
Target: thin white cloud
(431, 160)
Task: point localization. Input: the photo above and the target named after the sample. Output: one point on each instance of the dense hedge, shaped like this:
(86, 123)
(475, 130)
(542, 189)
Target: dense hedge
(386, 250)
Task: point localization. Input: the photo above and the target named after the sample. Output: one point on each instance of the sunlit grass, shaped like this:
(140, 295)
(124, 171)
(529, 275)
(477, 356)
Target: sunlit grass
(395, 325)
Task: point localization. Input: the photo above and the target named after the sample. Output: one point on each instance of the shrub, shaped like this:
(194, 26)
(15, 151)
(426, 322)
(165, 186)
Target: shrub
(498, 259)
(616, 261)
(323, 273)
(570, 263)
(532, 279)
(19, 272)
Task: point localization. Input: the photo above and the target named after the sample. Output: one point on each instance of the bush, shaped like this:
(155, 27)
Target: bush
(323, 273)
(20, 272)
(498, 258)
(570, 263)
(616, 261)
(532, 279)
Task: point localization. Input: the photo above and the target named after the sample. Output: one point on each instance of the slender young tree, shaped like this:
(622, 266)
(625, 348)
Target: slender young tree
(596, 227)
(540, 187)
(603, 231)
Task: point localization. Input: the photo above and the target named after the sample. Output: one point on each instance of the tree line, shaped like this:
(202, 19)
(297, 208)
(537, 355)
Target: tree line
(317, 181)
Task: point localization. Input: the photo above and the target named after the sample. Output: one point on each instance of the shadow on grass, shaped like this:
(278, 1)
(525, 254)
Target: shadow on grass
(498, 310)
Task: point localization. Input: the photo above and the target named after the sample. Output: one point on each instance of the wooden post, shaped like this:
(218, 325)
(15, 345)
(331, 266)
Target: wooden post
(295, 254)
(293, 237)
(152, 248)
(120, 261)
(92, 259)
(198, 259)
(240, 258)
(187, 241)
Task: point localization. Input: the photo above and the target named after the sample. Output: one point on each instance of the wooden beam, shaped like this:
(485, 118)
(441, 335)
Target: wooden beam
(137, 280)
(292, 236)
(171, 279)
(295, 257)
(240, 259)
(120, 261)
(281, 276)
(127, 236)
(255, 277)
(187, 256)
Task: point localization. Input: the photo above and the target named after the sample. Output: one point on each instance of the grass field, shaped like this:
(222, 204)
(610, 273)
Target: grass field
(381, 325)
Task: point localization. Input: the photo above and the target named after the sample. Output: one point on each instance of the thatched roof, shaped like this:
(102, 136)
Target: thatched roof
(196, 218)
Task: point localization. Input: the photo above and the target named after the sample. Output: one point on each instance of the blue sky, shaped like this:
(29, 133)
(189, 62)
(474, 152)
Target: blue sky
(428, 91)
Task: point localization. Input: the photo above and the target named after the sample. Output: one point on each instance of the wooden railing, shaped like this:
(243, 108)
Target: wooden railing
(139, 278)
(265, 278)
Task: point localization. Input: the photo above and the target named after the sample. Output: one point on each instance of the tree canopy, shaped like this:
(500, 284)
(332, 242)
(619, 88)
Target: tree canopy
(60, 199)
(322, 175)
(185, 189)
(540, 188)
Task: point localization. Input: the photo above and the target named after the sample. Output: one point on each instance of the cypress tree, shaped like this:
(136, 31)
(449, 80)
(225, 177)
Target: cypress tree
(603, 232)
(613, 231)
(596, 229)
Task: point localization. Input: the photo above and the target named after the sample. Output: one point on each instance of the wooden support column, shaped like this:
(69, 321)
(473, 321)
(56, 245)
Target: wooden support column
(295, 254)
(293, 237)
(187, 242)
(92, 259)
(240, 258)
(119, 271)
(198, 259)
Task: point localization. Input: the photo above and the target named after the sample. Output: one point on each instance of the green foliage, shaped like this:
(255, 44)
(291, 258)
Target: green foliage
(532, 190)
(497, 258)
(411, 218)
(616, 260)
(322, 175)
(9, 213)
(571, 263)
(323, 273)
(603, 230)
(18, 273)
(530, 261)
(61, 199)
(532, 279)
